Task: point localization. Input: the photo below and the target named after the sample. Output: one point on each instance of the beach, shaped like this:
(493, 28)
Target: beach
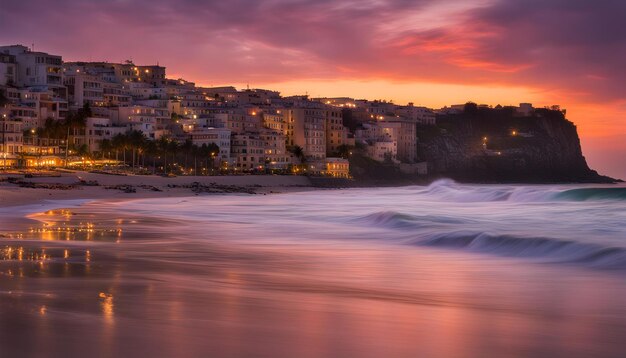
(86, 186)
(446, 270)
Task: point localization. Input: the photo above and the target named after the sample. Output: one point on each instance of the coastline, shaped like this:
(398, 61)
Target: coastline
(16, 190)
(20, 196)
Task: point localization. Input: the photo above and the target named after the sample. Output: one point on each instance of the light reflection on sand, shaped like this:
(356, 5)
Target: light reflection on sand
(126, 284)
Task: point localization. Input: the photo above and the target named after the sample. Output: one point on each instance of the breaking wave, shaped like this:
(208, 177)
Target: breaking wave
(396, 220)
(588, 254)
(449, 190)
(585, 194)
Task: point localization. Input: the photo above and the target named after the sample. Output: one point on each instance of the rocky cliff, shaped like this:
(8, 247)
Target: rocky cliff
(494, 145)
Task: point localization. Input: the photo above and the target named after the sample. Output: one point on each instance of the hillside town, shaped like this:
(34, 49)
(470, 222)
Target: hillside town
(57, 114)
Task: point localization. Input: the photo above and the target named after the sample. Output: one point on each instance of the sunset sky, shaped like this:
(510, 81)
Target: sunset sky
(431, 52)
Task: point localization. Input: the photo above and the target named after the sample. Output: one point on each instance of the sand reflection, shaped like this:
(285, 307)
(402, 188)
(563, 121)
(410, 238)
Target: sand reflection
(94, 282)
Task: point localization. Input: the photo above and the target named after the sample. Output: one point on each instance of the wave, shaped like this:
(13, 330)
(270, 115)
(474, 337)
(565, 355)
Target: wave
(396, 220)
(449, 190)
(585, 194)
(558, 250)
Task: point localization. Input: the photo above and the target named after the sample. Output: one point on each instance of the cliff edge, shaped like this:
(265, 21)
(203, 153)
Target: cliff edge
(495, 145)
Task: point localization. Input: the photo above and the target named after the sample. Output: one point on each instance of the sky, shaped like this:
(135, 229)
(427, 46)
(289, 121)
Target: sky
(430, 52)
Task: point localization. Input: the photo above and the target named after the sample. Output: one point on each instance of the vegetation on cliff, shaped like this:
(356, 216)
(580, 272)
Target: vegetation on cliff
(497, 145)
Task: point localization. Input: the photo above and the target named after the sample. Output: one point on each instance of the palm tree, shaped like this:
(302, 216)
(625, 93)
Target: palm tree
(204, 152)
(298, 152)
(151, 148)
(119, 143)
(74, 123)
(208, 151)
(136, 140)
(173, 147)
(163, 148)
(187, 148)
(106, 146)
(195, 150)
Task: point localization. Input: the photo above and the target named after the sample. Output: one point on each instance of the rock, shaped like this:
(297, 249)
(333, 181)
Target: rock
(544, 148)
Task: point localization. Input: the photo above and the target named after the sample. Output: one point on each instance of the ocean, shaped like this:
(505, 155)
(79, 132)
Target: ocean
(446, 270)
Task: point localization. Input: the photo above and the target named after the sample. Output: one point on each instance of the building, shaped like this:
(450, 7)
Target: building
(381, 138)
(404, 133)
(248, 151)
(37, 69)
(8, 69)
(255, 129)
(274, 120)
(383, 150)
(420, 115)
(83, 88)
(218, 136)
(11, 140)
(276, 155)
(239, 120)
(40, 103)
(149, 120)
(336, 133)
(96, 129)
(114, 94)
(306, 128)
(337, 168)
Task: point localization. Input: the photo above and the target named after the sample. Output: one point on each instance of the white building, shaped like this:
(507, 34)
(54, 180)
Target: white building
(8, 69)
(383, 150)
(218, 136)
(37, 69)
(83, 88)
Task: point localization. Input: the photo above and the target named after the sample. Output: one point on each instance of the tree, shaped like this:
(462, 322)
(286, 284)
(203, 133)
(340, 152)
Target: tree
(187, 148)
(74, 123)
(173, 147)
(214, 151)
(208, 151)
(151, 148)
(136, 140)
(298, 152)
(163, 149)
(106, 146)
(195, 150)
(344, 151)
(119, 142)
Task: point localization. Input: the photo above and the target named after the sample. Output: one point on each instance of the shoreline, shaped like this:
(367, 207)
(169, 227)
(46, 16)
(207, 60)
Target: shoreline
(17, 190)
(20, 196)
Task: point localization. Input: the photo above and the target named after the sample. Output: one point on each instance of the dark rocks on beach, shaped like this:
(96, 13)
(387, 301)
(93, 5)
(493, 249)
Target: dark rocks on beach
(31, 185)
(150, 187)
(89, 182)
(124, 188)
(214, 188)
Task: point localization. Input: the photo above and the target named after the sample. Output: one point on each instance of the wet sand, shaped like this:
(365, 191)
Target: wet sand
(258, 276)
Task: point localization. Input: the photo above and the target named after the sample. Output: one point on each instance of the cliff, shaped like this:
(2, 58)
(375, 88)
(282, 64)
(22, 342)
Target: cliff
(494, 145)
